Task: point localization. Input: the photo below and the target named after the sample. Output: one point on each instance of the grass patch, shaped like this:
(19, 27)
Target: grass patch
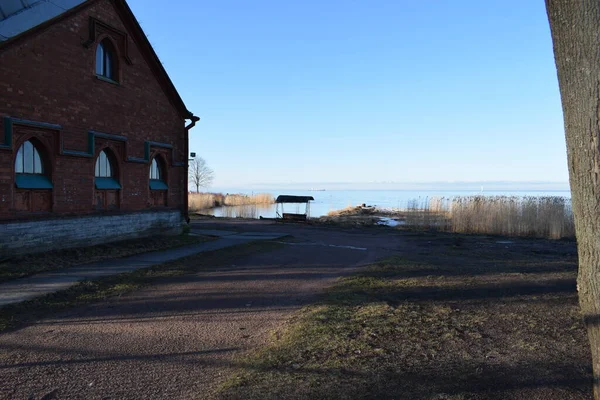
(26, 265)
(87, 292)
(446, 325)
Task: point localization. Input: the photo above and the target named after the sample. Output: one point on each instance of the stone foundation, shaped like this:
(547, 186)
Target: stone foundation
(25, 237)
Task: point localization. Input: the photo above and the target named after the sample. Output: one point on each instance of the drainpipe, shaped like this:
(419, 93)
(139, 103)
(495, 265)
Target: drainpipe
(187, 154)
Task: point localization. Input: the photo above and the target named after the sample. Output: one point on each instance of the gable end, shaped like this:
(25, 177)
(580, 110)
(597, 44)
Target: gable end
(97, 28)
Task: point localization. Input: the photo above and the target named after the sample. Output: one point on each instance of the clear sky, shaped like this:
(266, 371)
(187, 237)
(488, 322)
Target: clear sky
(364, 90)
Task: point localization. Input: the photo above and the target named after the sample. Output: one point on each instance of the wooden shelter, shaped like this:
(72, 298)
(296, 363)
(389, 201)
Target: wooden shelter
(297, 200)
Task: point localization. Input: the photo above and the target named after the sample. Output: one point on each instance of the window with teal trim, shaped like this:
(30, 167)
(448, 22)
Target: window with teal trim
(103, 167)
(28, 160)
(29, 168)
(105, 173)
(157, 177)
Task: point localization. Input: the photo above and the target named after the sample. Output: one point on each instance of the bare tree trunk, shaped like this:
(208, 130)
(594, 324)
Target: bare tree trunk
(575, 27)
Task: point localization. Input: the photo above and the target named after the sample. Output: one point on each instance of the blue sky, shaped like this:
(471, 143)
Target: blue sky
(363, 91)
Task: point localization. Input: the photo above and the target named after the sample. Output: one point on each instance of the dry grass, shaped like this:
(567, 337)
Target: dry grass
(204, 201)
(428, 213)
(549, 217)
(545, 216)
(352, 210)
(242, 199)
(455, 318)
(531, 216)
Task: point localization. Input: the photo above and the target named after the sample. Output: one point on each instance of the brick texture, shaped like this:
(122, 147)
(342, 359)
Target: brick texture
(50, 77)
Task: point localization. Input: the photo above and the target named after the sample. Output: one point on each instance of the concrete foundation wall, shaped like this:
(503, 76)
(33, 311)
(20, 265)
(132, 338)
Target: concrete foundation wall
(38, 236)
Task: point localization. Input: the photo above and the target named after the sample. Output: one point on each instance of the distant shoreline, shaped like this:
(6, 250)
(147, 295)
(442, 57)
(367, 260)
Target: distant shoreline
(512, 186)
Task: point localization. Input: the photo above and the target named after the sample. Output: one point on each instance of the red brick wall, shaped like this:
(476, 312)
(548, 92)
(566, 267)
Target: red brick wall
(50, 77)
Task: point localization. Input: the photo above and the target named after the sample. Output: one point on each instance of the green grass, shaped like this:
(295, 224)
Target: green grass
(87, 292)
(26, 265)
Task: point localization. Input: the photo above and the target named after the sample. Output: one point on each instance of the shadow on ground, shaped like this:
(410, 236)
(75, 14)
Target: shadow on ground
(466, 318)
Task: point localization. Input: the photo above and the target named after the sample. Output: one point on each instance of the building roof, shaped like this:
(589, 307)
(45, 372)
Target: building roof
(18, 16)
(293, 199)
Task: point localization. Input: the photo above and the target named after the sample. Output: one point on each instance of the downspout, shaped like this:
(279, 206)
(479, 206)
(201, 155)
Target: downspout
(193, 123)
(187, 155)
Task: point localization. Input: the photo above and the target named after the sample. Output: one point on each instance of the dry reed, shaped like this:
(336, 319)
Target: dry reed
(545, 216)
(242, 200)
(428, 213)
(204, 201)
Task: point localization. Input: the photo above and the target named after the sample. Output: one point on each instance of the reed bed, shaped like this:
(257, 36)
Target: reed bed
(547, 216)
(205, 201)
(532, 216)
(428, 213)
(252, 211)
(242, 200)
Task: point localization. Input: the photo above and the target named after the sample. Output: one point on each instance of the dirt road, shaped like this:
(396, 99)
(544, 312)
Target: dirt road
(178, 339)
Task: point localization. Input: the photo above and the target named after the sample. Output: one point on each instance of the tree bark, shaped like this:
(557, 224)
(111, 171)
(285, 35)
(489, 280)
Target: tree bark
(575, 28)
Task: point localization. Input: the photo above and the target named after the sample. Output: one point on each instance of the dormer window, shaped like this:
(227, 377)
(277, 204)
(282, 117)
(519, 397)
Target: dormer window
(106, 60)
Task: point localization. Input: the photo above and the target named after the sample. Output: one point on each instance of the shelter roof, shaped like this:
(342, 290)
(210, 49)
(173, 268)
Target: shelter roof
(293, 199)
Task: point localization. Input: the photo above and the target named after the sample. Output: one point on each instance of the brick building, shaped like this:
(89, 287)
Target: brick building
(93, 129)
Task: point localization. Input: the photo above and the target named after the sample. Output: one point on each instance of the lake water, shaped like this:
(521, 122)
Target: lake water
(331, 200)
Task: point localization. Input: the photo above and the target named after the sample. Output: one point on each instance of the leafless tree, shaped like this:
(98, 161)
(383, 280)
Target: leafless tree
(200, 174)
(574, 26)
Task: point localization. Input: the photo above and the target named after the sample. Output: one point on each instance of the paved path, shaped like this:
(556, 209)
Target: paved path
(180, 339)
(49, 282)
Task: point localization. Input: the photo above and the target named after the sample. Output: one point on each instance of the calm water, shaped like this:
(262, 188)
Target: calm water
(330, 200)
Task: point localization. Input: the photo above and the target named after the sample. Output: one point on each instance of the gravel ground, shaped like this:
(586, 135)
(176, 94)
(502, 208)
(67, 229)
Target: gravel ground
(179, 339)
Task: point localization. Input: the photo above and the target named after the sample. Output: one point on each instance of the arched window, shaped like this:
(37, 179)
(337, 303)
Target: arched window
(103, 167)
(157, 175)
(29, 168)
(106, 60)
(155, 170)
(105, 172)
(28, 160)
